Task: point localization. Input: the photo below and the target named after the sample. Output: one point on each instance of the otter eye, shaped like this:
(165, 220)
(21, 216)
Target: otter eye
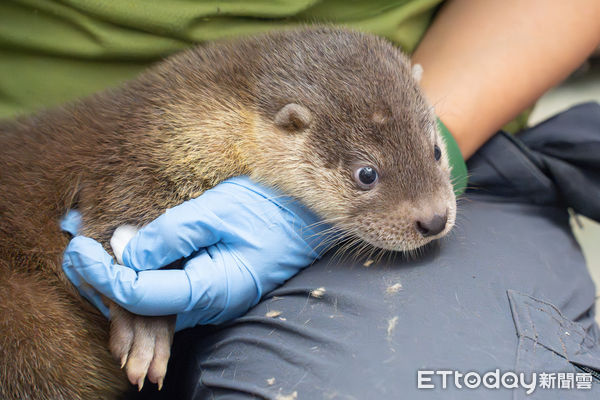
(366, 177)
(437, 153)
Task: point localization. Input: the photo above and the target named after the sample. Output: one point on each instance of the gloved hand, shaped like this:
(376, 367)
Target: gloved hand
(240, 240)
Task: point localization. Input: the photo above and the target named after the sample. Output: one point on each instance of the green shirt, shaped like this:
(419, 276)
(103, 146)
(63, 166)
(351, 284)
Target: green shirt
(52, 51)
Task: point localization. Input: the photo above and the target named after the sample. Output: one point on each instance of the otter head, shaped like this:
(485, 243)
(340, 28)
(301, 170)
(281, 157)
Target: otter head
(357, 141)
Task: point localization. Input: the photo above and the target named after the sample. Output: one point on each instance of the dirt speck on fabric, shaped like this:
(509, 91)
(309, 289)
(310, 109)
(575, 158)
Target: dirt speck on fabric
(271, 381)
(391, 326)
(273, 314)
(318, 292)
(292, 396)
(393, 289)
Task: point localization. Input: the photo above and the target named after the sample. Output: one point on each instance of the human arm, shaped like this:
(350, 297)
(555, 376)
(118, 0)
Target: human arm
(486, 61)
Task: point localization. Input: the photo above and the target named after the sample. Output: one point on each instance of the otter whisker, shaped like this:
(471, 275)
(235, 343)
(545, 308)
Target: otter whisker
(327, 235)
(362, 248)
(324, 232)
(329, 220)
(341, 253)
(333, 243)
(380, 254)
(357, 249)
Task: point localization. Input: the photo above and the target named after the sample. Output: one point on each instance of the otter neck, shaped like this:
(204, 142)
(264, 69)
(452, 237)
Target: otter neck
(199, 156)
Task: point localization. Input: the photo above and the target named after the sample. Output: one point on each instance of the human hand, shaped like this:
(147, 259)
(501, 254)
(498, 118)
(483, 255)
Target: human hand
(240, 241)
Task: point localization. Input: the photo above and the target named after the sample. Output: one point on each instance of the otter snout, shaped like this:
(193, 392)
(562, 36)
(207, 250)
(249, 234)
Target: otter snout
(433, 225)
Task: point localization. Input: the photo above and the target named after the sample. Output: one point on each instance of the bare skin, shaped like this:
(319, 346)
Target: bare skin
(486, 61)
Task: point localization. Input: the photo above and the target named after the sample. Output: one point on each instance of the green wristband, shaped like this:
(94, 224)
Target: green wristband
(455, 158)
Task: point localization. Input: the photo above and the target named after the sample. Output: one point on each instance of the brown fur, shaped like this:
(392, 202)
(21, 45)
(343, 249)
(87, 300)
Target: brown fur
(126, 155)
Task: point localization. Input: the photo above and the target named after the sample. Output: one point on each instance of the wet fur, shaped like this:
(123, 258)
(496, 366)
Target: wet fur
(125, 155)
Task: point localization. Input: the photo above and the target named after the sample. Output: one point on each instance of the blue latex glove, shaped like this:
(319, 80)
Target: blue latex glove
(241, 240)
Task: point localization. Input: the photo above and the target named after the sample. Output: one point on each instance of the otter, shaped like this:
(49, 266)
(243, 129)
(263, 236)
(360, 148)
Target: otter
(331, 117)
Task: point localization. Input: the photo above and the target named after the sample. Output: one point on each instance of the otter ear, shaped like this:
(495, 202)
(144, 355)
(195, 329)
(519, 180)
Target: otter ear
(293, 117)
(417, 72)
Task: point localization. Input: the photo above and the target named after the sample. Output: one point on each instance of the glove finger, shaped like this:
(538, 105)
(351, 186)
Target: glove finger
(71, 222)
(223, 287)
(146, 293)
(179, 232)
(84, 288)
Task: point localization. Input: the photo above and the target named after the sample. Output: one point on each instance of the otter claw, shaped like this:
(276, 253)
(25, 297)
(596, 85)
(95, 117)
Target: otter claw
(142, 345)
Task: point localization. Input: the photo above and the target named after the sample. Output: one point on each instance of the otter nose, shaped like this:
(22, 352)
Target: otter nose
(433, 226)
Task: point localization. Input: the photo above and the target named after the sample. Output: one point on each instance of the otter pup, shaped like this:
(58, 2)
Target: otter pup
(331, 117)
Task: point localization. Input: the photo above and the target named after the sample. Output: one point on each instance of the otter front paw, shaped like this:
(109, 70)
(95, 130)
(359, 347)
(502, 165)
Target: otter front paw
(142, 344)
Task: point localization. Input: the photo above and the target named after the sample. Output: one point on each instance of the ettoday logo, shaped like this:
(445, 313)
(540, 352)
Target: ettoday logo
(429, 379)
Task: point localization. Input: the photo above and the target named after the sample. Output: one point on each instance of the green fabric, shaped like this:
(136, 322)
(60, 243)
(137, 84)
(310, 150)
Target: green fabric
(519, 123)
(459, 168)
(55, 51)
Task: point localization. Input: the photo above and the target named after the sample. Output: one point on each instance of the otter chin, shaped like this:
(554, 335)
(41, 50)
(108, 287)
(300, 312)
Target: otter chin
(400, 230)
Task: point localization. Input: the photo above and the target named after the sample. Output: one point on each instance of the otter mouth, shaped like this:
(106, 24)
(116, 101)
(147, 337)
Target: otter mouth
(403, 237)
(356, 245)
(403, 246)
